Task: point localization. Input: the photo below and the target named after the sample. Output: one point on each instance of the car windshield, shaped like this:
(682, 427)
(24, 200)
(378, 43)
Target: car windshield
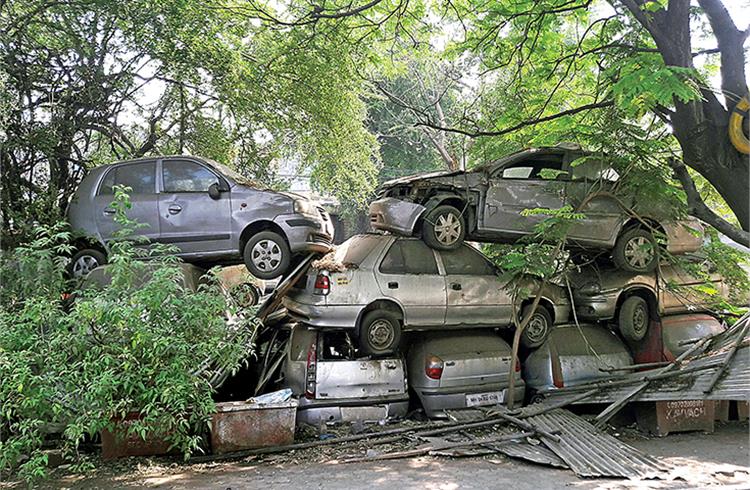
(356, 249)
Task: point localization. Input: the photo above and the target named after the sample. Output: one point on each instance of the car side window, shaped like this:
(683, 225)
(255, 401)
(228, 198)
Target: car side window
(138, 176)
(465, 261)
(539, 167)
(409, 257)
(186, 176)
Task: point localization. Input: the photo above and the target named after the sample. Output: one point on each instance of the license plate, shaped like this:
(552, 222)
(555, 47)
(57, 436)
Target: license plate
(479, 399)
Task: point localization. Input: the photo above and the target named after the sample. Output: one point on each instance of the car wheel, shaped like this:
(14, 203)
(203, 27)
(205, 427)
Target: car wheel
(634, 318)
(379, 332)
(636, 251)
(444, 228)
(246, 295)
(267, 255)
(537, 329)
(85, 261)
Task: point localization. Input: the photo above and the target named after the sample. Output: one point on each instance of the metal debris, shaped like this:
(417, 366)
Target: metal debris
(591, 453)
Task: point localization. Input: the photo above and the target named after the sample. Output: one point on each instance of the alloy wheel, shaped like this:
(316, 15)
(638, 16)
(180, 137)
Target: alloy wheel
(84, 264)
(639, 252)
(447, 229)
(266, 255)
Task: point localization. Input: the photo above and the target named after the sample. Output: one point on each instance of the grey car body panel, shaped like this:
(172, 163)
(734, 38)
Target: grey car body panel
(474, 361)
(672, 291)
(201, 227)
(675, 329)
(346, 389)
(571, 346)
(422, 298)
(499, 201)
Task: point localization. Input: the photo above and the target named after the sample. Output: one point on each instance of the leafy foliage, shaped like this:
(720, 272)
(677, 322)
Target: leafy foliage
(141, 345)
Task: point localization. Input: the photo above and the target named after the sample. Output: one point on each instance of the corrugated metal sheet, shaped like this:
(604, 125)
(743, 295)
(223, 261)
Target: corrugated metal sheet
(591, 453)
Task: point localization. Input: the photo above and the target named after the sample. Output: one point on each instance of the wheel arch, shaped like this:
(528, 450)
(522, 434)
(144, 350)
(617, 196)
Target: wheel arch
(644, 292)
(643, 222)
(386, 304)
(256, 227)
(545, 303)
(462, 203)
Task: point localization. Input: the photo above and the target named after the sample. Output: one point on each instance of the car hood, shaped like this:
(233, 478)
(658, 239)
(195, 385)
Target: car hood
(416, 177)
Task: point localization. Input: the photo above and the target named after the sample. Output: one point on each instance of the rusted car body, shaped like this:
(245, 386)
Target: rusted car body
(678, 330)
(574, 354)
(414, 287)
(212, 214)
(454, 370)
(488, 204)
(334, 386)
(600, 294)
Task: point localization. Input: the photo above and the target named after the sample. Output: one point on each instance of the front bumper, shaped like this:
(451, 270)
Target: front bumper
(323, 316)
(307, 233)
(395, 215)
(436, 400)
(600, 307)
(315, 412)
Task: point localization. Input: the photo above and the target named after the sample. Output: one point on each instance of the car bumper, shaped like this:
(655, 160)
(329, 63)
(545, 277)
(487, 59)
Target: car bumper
(562, 312)
(436, 400)
(683, 236)
(323, 316)
(315, 412)
(600, 307)
(307, 233)
(395, 215)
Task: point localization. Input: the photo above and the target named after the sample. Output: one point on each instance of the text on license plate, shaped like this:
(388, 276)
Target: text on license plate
(479, 399)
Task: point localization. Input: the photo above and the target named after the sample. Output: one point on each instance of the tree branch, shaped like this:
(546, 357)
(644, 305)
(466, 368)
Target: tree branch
(699, 209)
(522, 124)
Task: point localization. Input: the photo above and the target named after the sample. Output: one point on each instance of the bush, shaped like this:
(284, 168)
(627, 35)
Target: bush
(146, 347)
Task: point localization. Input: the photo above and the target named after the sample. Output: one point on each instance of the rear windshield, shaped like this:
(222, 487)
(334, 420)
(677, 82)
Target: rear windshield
(356, 249)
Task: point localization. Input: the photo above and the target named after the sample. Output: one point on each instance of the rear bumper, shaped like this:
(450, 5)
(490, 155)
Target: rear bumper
(323, 316)
(315, 412)
(307, 233)
(683, 236)
(562, 312)
(395, 215)
(435, 400)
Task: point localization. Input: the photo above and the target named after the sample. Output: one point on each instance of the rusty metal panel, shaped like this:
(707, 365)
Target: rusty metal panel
(662, 418)
(591, 453)
(119, 444)
(239, 425)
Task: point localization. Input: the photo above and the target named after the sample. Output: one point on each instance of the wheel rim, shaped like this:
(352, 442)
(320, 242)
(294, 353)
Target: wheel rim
(380, 334)
(639, 252)
(266, 255)
(84, 264)
(537, 328)
(447, 228)
(640, 320)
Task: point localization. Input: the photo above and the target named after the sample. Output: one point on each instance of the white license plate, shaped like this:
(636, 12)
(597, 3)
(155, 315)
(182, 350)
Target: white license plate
(479, 399)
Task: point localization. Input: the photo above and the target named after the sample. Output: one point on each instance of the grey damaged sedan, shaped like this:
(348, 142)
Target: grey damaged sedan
(380, 285)
(212, 214)
(487, 204)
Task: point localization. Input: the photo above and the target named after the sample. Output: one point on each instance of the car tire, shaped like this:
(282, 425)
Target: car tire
(634, 318)
(636, 251)
(84, 261)
(267, 255)
(538, 328)
(379, 332)
(444, 228)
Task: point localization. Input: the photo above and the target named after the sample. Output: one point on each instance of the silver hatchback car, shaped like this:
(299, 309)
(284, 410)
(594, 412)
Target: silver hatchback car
(380, 285)
(211, 213)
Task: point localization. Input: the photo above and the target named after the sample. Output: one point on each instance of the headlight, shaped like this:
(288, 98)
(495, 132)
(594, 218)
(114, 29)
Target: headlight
(590, 289)
(303, 206)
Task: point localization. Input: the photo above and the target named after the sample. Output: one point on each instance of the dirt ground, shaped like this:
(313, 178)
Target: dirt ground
(700, 460)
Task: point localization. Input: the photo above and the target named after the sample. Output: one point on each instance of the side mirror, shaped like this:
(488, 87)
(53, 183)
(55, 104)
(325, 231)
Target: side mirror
(214, 192)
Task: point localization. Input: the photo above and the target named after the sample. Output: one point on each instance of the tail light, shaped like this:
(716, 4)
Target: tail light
(433, 367)
(322, 284)
(518, 365)
(310, 372)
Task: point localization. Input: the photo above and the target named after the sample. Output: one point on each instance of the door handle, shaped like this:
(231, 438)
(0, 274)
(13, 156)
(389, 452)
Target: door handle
(393, 285)
(455, 286)
(109, 211)
(174, 209)
(450, 363)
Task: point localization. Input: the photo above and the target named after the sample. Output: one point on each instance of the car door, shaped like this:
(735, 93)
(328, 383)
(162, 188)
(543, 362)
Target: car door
(475, 294)
(189, 217)
(408, 273)
(534, 182)
(603, 215)
(140, 177)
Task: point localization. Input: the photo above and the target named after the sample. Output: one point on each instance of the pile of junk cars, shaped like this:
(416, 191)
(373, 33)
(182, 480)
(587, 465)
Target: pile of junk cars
(412, 314)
